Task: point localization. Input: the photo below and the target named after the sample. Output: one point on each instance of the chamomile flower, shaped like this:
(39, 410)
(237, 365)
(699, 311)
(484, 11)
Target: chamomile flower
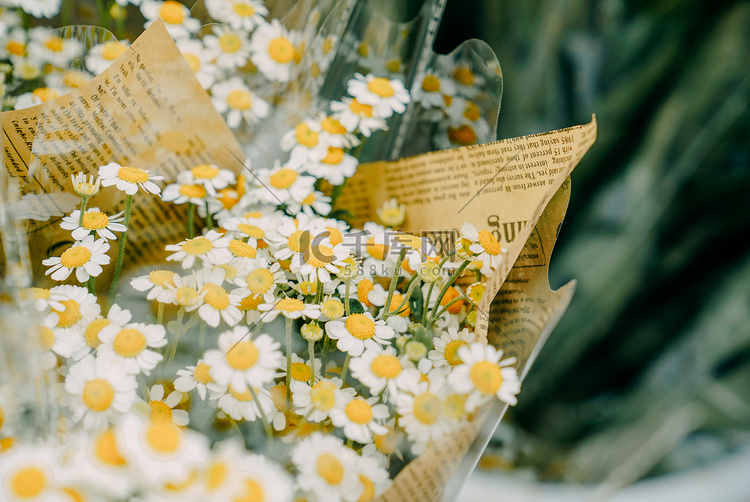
(219, 478)
(320, 260)
(332, 309)
(373, 476)
(200, 59)
(41, 8)
(291, 308)
(357, 332)
(185, 189)
(421, 415)
(66, 80)
(65, 343)
(14, 43)
(97, 458)
(241, 361)
(398, 318)
(273, 51)
(232, 47)
(217, 303)
(313, 202)
(356, 116)
(262, 279)
(432, 91)
(333, 133)
(475, 292)
(186, 292)
(36, 97)
(262, 479)
(176, 17)
(160, 450)
(361, 418)
(46, 45)
(157, 283)
(327, 468)
(128, 179)
(44, 298)
(452, 135)
(444, 355)
(116, 315)
(241, 405)
(305, 143)
(316, 403)
(212, 177)
(79, 307)
(100, 389)
(483, 375)
(86, 257)
(84, 186)
(96, 221)
(485, 247)
(379, 369)
(235, 99)
(101, 56)
(28, 475)
(391, 213)
(385, 96)
(243, 15)
(301, 370)
(335, 167)
(195, 377)
(211, 249)
(129, 345)
(162, 408)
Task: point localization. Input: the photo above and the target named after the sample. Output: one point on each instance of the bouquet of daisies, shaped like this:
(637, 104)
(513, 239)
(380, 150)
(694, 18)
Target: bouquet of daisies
(276, 352)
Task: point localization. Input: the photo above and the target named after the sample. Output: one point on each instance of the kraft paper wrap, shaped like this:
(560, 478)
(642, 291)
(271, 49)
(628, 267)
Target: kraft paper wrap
(149, 111)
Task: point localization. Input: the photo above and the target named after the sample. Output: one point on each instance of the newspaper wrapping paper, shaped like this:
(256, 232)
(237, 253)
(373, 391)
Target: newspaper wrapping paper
(519, 190)
(148, 110)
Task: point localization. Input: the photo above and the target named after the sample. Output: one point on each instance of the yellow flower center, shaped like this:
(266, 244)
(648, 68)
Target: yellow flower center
(98, 394)
(385, 366)
(363, 290)
(239, 99)
(27, 482)
(323, 395)
(381, 86)
(132, 175)
(216, 296)
(229, 271)
(76, 256)
(320, 255)
(229, 42)
(164, 437)
(193, 61)
(396, 302)
(242, 249)
(216, 474)
(447, 99)
(95, 220)
(281, 50)
(451, 351)
(391, 217)
(463, 135)
(363, 49)
(205, 171)
(243, 9)
(202, 374)
(47, 336)
(278, 396)
(55, 44)
(252, 491)
(393, 65)
(243, 355)
(113, 50)
(327, 45)
(301, 372)
(172, 12)
(245, 397)
(290, 305)
(73, 493)
(308, 288)
(464, 75)
(449, 296)
(376, 250)
(39, 293)
(359, 411)
(297, 239)
(334, 236)
(427, 408)
(332, 126)
(369, 492)
(197, 246)
(431, 84)
(185, 295)
(2, 417)
(46, 94)
(259, 281)
(15, 48)
(386, 443)
(334, 156)
(161, 278)
(486, 377)
(251, 230)
(105, 449)
(283, 178)
(360, 109)
(160, 411)
(329, 468)
(193, 191)
(305, 136)
(74, 79)
(472, 112)
(309, 200)
(70, 316)
(250, 302)
(453, 406)
(129, 342)
(476, 292)
(360, 326)
(333, 309)
(489, 243)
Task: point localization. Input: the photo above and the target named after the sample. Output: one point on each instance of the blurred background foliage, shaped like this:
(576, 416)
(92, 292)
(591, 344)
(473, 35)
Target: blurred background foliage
(649, 370)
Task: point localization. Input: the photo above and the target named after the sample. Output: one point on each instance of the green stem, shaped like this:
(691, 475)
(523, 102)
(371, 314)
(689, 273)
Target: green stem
(160, 314)
(120, 24)
(92, 285)
(427, 302)
(263, 417)
(84, 201)
(448, 284)
(409, 291)
(288, 363)
(345, 368)
(447, 306)
(191, 220)
(121, 252)
(394, 280)
(103, 18)
(347, 308)
(209, 218)
(311, 350)
(65, 9)
(318, 291)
